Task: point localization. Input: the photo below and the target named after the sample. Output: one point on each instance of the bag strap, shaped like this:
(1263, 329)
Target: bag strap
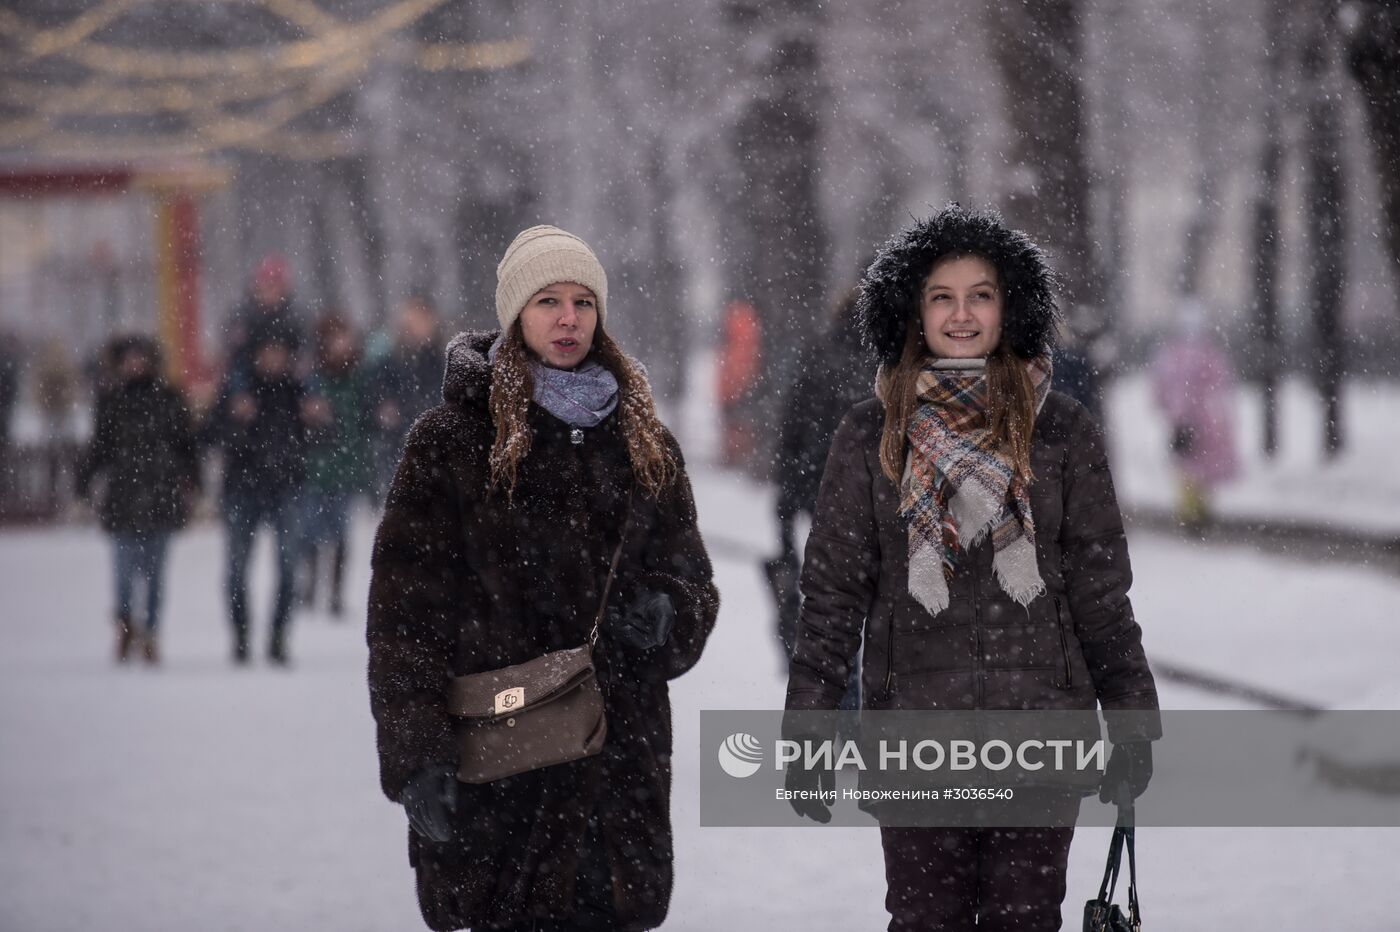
(1123, 836)
(1110, 870)
(1134, 914)
(1127, 827)
(612, 570)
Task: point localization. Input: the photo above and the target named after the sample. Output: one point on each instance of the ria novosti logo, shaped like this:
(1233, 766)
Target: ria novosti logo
(741, 755)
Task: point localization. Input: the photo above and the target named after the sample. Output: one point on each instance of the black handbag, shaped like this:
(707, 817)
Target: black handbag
(1101, 914)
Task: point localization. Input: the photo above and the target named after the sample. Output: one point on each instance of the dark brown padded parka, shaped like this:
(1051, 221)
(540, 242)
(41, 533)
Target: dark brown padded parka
(1073, 646)
(466, 581)
(1076, 645)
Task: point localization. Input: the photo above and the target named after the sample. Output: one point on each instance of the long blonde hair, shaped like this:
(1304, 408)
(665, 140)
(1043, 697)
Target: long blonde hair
(1010, 403)
(512, 386)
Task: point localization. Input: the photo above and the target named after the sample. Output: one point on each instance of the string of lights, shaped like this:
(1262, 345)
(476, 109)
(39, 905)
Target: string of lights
(101, 97)
(302, 54)
(43, 42)
(471, 56)
(241, 98)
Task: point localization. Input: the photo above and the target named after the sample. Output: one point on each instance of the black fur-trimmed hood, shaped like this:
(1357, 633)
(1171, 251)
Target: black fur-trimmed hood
(467, 380)
(889, 291)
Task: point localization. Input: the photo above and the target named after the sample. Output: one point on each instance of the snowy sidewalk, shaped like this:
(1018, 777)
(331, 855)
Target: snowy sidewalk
(206, 797)
(1299, 499)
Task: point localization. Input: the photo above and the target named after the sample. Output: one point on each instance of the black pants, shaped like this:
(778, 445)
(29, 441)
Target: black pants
(593, 894)
(987, 880)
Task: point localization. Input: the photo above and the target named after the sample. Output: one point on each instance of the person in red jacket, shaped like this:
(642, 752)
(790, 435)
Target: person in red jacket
(739, 358)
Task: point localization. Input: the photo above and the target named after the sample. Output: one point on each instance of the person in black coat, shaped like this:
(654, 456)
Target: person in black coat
(260, 426)
(268, 312)
(141, 468)
(9, 396)
(337, 413)
(510, 501)
(835, 374)
(408, 382)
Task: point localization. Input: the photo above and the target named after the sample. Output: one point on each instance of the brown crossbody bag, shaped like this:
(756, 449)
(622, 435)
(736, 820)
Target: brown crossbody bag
(535, 714)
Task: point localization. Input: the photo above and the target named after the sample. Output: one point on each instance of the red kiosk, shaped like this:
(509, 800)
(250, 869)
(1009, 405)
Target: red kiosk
(32, 487)
(175, 191)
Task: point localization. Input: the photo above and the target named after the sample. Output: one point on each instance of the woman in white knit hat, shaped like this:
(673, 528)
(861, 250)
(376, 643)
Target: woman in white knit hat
(541, 495)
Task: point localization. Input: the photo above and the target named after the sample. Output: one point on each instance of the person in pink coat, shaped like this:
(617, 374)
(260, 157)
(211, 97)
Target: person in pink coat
(1194, 386)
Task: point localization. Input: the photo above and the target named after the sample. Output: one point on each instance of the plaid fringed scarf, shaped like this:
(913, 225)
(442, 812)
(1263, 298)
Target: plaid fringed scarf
(957, 484)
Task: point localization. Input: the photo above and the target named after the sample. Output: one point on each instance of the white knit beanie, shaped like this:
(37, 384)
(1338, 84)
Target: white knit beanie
(542, 256)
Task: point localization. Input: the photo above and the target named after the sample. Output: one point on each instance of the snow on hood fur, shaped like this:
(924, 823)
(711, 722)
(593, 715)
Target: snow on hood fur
(889, 291)
(467, 380)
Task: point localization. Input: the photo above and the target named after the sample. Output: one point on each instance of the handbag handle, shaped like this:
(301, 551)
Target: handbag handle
(1124, 836)
(1134, 914)
(612, 570)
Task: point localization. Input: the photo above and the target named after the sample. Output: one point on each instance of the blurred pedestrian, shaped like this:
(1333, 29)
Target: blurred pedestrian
(407, 383)
(141, 469)
(267, 312)
(740, 355)
(832, 376)
(258, 423)
(9, 399)
(1194, 387)
(337, 416)
(967, 535)
(544, 466)
(1076, 373)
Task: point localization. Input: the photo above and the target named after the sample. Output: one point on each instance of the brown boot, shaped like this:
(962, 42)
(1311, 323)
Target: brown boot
(277, 648)
(150, 650)
(126, 636)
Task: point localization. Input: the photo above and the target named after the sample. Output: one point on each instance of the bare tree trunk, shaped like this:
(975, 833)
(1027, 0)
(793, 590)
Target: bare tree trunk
(1372, 31)
(1038, 48)
(324, 265)
(668, 343)
(381, 186)
(1205, 130)
(1325, 193)
(1266, 233)
(778, 144)
(481, 228)
(369, 233)
(1112, 176)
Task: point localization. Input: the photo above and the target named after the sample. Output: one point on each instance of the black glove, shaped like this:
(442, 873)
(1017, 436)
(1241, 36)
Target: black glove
(799, 780)
(1130, 763)
(430, 799)
(645, 623)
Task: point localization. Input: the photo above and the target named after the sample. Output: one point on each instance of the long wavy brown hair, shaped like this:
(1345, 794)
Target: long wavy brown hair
(1010, 402)
(512, 386)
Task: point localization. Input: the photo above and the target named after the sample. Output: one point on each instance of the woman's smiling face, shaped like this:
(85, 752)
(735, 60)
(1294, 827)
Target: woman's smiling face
(961, 307)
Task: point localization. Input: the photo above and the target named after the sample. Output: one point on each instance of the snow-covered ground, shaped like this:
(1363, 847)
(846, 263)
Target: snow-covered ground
(1359, 489)
(201, 796)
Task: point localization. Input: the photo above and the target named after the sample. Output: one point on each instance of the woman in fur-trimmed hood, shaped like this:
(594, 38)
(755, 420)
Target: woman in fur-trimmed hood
(893, 282)
(496, 541)
(967, 536)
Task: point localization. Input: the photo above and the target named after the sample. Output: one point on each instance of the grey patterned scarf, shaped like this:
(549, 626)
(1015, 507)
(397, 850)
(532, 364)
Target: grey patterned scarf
(580, 397)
